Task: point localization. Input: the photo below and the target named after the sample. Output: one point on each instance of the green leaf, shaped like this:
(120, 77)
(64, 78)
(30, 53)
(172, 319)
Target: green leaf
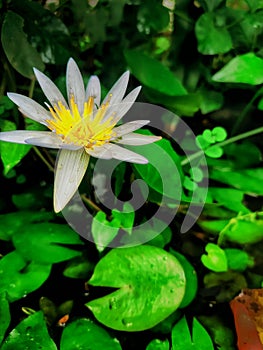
(254, 5)
(79, 267)
(229, 198)
(163, 173)
(18, 277)
(201, 141)
(11, 222)
(23, 57)
(31, 334)
(163, 238)
(260, 104)
(182, 340)
(237, 259)
(46, 243)
(104, 231)
(219, 134)
(215, 259)
(190, 277)
(248, 180)
(212, 39)
(196, 174)
(5, 316)
(11, 153)
(136, 305)
(189, 184)
(219, 329)
(157, 344)
(243, 229)
(153, 16)
(244, 155)
(228, 284)
(211, 101)
(84, 334)
(5, 103)
(214, 152)
(153, 74)
(212, 226)
(125, 217)
(246, 68)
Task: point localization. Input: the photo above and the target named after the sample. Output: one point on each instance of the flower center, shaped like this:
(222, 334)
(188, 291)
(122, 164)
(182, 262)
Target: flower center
(88, 130)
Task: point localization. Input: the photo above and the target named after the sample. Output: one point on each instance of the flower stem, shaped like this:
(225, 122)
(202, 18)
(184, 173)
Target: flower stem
(223, 143)
(90, 203)
(39, 154)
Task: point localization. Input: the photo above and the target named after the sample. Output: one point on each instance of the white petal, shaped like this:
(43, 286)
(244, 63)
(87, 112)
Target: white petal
(70, 169)
(121, 108)
(49, 88)
(126, 155)
(111, 150)
(129, 127)
(75, 85)
(103, 152)
(21, 136)
(51, 140)
(30, 108)
(137, 139)
(116, 93)
(93, 89)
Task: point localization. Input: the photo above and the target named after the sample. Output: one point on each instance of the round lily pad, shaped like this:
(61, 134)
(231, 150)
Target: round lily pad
(150, 286)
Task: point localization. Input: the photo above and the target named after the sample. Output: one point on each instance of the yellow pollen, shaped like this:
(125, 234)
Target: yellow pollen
(88, 129)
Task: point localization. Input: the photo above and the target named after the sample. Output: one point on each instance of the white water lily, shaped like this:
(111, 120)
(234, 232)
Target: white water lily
(80, 128)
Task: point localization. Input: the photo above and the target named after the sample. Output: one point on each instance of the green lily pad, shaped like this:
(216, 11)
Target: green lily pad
(84, 334)
(31, 334)
(5, 317)
(191, 279)
(46, 243)
(150, 283)
(18, 278)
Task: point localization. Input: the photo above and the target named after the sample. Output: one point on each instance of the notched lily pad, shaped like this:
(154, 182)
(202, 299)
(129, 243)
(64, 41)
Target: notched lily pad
(151, 286)
(46, 243)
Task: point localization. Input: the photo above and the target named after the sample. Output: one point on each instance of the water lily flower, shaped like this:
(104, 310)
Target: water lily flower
(81, 127)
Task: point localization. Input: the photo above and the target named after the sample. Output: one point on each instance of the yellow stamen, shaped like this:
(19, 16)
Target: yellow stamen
(87, 130)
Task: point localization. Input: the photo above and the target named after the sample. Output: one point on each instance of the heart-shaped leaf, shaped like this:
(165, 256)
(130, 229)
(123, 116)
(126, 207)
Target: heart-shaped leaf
(31, 334)
(150, 282)
(85, 334)
(212, 39)
(216, 259)
(19, 278)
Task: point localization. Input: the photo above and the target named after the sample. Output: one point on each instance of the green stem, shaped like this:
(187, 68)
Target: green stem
(90, 203)
(245, 111)
(182, 16)
(223, 143)
(31, 87)
(50, 167)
